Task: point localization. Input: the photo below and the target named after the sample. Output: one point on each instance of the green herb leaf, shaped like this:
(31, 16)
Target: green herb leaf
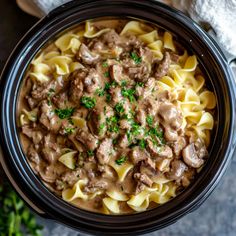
(64, 113)
(149, 120)
(123, 83)
(112, 124)
(101, 127)
(88, 102)
(107, 74)
(128, 93)
(136, 58)
(140, 84)
(119, 108)
(108, 97)
(15, 217)
(100, 92)
(121, 160)
(105, 64)
(69, 130)
(90, 153)
(142, 143)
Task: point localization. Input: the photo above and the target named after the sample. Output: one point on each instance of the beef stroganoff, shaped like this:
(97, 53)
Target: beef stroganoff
(115, 116)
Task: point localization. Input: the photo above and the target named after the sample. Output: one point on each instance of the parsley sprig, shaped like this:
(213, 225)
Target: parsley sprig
(88, 102)
(64, 113)
(15, 217)
(121, 160)
(136, 58)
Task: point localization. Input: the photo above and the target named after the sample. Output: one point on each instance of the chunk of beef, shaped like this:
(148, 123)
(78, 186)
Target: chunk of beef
(41, 91)
(163, 164)
(86, 56)
(137, 155)
(104, 150)
(35, 135)
(111, 38)
(49, 174)
(141, 117)
(59, 100)
(170, 115)
(140, 73)
(97, 120)
(96, 185)
(178, 145)
(143, 178)
(147, 89)
(33, 155)
(70, 177)
(76, 84)
(87, 139)
(48, 118)
(124, 124)
(32, 102)
(163, 67)
(92, 81)
(159, 151)
(177, 170)
(116, 95)
(50, 150)
(149, 105)
(123, 141)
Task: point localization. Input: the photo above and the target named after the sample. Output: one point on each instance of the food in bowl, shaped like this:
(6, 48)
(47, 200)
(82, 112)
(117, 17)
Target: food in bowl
(115, 116)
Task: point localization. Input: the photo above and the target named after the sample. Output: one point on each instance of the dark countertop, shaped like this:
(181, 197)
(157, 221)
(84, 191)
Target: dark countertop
(217, 216)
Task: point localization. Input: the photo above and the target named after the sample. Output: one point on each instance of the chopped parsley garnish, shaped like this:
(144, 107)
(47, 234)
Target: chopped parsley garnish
(88, 102)
(119, 108)
(149, 120)
(114, 141)
(51, 91)
(121, 160)
(105, 64)
(123, 83)
(156, 132)
(64, 113)
(90, 153)
(142, 143)
(108, 97)
(136, 129)
(140, 84)
(135, 58)
(100, 92)
(101, 127)
(109, 85)
(112, 124)
(107, 74)
(69, 130)
(128, 93)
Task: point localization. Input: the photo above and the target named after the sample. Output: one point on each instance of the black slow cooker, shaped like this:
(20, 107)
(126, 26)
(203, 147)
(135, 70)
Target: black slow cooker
(212, 62)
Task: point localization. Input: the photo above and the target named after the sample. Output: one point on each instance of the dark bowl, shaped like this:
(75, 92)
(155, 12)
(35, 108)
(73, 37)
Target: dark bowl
(212, 62)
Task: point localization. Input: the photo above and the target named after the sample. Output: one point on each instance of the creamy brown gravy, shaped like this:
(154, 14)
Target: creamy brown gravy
(141, 103)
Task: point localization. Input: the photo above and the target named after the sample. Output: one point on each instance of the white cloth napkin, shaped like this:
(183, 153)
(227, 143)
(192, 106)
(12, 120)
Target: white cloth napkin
(219, 14)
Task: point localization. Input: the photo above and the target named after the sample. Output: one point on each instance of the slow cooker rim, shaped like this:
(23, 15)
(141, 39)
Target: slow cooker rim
(134, 1)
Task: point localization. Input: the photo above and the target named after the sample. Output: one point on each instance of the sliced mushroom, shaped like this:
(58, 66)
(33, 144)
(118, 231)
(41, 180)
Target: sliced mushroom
(191, 157)
(86, 55)
(116, 73)
(177, 170)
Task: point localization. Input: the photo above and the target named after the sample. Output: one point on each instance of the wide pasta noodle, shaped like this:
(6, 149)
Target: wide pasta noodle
(122, 170)
(70, 194)
(68, 160)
